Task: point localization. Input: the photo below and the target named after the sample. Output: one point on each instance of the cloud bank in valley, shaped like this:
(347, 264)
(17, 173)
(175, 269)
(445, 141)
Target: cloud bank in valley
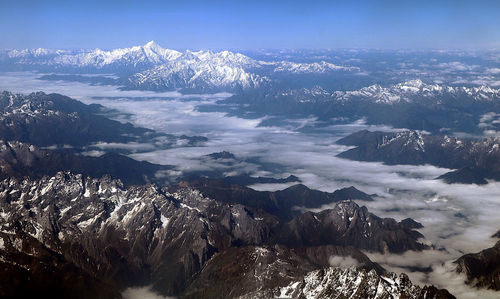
(457, 218)
(342, 261)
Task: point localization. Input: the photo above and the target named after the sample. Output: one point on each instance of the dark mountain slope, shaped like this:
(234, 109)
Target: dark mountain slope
(281, 203)
(53, 119)
(20, 160)
(475, 159)
(483, 268)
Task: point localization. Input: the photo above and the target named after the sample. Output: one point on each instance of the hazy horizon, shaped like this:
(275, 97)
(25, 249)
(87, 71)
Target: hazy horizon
(283, 50)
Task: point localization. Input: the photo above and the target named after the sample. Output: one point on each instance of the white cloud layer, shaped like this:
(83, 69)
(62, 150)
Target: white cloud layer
(342, 261)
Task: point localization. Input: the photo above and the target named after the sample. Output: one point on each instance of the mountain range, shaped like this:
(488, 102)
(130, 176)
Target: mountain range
(113, 237)
(152, 67)
(474, 160)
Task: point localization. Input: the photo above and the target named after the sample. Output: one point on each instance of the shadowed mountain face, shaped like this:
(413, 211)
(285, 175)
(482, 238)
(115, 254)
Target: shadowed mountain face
(483, 268)
(119, 236)
(348, 222)
(19, 160)
(475, 160)
(284, 203)
(265, 268)
(52, 119)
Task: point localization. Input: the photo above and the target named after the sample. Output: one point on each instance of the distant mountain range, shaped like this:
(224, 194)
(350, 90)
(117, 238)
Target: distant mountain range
(416, 105)
(298, 88)
(154, 68)
(418, 91)
(411, 91)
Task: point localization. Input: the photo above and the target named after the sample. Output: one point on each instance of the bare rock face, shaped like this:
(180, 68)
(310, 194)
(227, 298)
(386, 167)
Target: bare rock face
(351, 283)
(124, 236)
(483, 268)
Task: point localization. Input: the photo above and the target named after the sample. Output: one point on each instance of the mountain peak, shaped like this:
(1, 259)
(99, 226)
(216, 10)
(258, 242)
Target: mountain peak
(151, 44)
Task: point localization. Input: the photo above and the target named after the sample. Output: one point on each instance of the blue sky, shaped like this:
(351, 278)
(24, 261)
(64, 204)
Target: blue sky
(250, 24)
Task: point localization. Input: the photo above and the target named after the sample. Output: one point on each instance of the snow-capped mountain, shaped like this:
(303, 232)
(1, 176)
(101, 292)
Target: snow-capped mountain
(33, 53)
(352, 283)
(207, 70)
(415, 90)
(201, 70)
(148, 55)
(415, 105)
(152, 67)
